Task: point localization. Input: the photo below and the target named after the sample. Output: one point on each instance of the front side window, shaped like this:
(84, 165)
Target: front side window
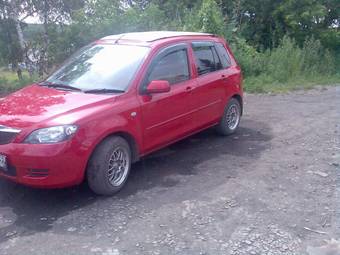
(172, 67)
(207, 59)
(100, 67)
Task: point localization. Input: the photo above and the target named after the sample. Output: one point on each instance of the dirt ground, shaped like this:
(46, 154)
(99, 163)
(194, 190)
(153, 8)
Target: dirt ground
(273, 188)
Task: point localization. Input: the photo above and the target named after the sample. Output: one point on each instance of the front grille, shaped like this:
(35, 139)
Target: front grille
(7, 134)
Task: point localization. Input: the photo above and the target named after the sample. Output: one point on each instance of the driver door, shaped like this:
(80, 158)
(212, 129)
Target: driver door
(166, 116)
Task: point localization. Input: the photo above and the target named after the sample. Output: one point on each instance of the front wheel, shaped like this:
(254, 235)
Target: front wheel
(109, 166)
(231, 118)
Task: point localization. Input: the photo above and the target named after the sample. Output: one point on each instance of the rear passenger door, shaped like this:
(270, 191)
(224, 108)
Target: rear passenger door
(207, 97)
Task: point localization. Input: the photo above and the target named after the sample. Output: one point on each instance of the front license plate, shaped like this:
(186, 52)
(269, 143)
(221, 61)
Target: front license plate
(3, 162)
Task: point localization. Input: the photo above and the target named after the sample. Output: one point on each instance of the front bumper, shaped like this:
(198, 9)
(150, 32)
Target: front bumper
(44, 165)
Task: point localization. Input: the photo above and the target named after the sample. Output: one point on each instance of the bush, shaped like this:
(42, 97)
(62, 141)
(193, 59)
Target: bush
(286, 66)
(316, 59)
(249, 59)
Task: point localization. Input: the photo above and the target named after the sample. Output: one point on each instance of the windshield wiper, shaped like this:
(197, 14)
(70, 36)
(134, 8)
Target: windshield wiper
(58, 85)
(104, 91)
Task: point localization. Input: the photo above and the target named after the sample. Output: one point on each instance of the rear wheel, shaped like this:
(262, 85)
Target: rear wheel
(109, 166)
(231, 118)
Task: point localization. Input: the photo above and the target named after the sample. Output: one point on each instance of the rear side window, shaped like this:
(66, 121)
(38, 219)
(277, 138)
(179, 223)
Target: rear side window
(173, 67)
(206, 57)
(224, 56)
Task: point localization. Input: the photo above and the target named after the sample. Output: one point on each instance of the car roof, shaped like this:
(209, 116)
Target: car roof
(148, 37)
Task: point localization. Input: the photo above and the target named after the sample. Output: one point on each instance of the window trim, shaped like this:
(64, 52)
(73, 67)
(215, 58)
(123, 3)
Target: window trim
(209, 44)
(160, 54)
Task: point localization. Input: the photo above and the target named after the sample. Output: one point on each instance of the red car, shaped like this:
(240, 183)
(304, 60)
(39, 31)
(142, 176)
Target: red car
(116, 100)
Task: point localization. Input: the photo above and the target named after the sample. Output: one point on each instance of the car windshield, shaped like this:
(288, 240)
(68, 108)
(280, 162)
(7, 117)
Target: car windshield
(100, 68)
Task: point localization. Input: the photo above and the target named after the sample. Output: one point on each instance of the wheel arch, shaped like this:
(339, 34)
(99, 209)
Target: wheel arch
(125, 135)
(240, 100)
(131, 141)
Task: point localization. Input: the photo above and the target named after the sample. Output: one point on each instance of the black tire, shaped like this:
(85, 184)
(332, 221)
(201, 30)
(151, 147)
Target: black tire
(98, 173)
(223, 128)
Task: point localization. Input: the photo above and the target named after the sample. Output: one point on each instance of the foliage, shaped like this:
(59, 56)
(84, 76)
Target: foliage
(208, 18)
(287, 64)
(275, 41)
(10, 51)
(248, 57)
(264, 23)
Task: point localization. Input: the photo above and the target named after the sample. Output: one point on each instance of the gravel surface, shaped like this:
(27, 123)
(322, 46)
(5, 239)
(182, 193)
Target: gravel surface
(273, 188)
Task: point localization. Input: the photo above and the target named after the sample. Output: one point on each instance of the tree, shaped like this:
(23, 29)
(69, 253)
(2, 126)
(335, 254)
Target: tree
(67, 25)
(51, 13)
(206, 17)
(12, 12)
(264, 23)
(10, 51)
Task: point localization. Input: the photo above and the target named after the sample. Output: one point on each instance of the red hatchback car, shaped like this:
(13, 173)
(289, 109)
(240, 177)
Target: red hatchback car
(116, 100)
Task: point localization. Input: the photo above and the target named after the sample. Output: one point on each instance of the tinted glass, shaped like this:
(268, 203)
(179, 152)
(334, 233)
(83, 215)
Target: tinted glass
(224, 56)
(173, 68)
(101, 67)
(218, 64)
(206, 59)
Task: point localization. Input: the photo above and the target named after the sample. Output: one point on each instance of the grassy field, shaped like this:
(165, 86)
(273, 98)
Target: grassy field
(9, 81)
(263, 84)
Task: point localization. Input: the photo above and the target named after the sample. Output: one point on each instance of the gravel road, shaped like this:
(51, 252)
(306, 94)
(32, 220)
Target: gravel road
(273, 188)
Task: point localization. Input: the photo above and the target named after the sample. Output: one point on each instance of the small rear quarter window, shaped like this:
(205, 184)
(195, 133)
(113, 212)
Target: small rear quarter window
(224, 56)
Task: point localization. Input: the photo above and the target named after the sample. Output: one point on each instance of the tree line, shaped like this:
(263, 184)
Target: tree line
(251, 27)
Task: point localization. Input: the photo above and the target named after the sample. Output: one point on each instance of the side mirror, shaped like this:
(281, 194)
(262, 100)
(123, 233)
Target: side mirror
(158, 86)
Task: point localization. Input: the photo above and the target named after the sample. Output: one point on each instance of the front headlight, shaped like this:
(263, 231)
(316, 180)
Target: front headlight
(52, 134)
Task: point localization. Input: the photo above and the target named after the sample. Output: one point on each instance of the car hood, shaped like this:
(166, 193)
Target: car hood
(34, 104)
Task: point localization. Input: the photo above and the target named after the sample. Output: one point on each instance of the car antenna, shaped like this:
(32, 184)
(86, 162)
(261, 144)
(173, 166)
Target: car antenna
(117, 40)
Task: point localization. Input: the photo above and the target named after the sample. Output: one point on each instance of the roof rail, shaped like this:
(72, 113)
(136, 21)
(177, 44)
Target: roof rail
(152, 36)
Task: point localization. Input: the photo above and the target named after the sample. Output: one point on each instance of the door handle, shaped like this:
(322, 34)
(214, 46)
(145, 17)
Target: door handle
(188, 88)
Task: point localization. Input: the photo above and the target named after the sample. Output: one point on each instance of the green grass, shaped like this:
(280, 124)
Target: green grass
(265, 84)
(9, 81)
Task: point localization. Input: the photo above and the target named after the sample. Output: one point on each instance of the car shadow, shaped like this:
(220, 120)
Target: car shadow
(25, 211)
(182, 157)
